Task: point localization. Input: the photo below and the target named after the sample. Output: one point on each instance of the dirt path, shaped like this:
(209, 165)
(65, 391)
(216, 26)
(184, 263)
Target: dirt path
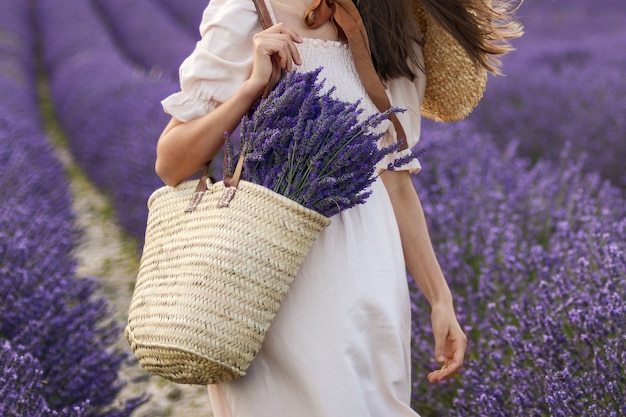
(106, 253)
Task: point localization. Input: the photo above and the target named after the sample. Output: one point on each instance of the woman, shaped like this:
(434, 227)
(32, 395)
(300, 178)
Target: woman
(339, 345)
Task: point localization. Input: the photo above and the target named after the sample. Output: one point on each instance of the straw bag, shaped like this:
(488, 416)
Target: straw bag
(216, 264)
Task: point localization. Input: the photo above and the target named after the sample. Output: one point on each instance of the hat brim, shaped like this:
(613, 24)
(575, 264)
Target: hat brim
(454, 85)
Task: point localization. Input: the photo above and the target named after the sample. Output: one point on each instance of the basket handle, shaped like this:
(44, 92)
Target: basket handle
(232, 181)
(266, 21)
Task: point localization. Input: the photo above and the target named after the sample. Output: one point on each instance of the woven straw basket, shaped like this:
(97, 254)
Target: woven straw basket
(211, 280)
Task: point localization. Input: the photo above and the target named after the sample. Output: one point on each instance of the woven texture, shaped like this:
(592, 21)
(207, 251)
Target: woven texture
(211, 281)
(454, 86)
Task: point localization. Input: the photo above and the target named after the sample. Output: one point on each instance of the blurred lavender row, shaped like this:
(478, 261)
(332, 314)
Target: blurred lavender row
(535, 257)
(110, 113)
(565, 83)
(55, 355)
(533, 248)
(151, 36)
(147, 34)
(187, 12)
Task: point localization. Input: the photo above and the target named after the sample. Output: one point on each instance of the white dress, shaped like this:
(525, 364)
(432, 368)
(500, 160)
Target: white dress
(340, 343)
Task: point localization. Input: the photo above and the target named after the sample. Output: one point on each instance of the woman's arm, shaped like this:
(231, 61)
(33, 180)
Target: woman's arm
(184, 148)
(450, 341)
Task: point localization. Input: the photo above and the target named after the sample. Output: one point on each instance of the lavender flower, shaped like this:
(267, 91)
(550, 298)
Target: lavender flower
(21, 385)
(94, 87)
(167, 46)
(186, 12)
(51, 324)
(561, 88)
(534, 255)
(311, 147)
(533, 249)
(403, 160)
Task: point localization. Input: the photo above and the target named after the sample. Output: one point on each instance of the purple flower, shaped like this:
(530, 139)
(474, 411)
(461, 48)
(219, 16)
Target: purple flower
(93, 87)
(534, 256)
(169, 43)
(186, 12)
(55, 341)
(311, 147)
(560, 87)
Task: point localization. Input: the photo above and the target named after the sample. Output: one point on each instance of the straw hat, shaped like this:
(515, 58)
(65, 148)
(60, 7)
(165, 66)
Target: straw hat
(454, 85)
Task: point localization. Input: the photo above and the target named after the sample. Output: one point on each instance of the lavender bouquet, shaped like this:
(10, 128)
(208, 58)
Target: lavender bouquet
(310, 147)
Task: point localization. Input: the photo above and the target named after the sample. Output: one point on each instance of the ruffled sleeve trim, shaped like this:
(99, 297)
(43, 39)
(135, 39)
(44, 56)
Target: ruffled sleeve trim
(185, 107)
(408, 95)
(221, 61)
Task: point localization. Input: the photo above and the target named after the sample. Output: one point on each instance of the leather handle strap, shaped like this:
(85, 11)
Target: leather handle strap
(264, 14)
(266, 21)
(347, 18)
(232, 181)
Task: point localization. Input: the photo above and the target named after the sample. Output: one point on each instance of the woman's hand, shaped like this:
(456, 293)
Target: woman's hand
(278, 41)
(450, 343)
(184, 148)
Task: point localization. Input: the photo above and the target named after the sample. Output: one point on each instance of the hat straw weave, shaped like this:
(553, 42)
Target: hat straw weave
(454, 85)
(211, 281)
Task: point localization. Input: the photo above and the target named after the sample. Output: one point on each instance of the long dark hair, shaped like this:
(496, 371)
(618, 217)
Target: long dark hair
(482, 27)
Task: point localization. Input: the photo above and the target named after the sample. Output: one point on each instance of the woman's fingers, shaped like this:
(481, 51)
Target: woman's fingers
(450, 345)
(450, 367)
(292, 38)
(279, 40)
(286, 52)
(281, 28)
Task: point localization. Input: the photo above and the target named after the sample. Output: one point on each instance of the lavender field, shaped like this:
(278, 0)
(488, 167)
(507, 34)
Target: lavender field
(526, 201)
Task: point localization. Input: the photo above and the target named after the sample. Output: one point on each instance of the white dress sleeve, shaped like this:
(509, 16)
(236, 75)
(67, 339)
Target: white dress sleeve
(221, 61)
(406, 94)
